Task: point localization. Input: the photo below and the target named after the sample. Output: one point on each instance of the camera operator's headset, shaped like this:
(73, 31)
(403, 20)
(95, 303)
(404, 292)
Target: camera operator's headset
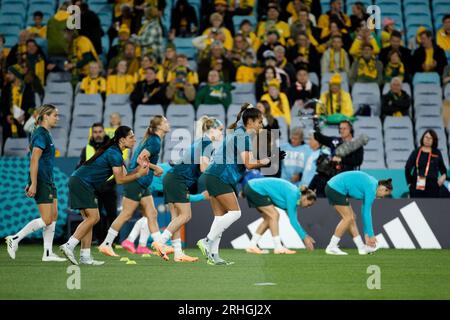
(350, 124)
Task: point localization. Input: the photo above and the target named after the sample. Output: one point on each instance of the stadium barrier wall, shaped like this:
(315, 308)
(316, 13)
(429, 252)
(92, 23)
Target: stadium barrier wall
(398, 223)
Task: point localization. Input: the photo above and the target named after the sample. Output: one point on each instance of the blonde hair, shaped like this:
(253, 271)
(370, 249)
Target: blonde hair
(310, 194)
(44, 110)
(204, 124)
(153, 126)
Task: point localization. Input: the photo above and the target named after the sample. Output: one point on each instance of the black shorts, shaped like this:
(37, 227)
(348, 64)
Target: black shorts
(336, 198)
(217, 187)
(254, 199)
(175, 189)
(134, 191)
(45, 192)
(81, 196)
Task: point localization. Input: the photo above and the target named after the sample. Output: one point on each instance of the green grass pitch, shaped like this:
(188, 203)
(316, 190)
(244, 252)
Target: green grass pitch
(405, 274)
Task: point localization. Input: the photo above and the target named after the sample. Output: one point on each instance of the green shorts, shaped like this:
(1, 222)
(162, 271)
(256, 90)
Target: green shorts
(45, 192)
(81, 196)
(254, 199)
(335, 198)
(175, 189)
(134, 191)
(217, 187)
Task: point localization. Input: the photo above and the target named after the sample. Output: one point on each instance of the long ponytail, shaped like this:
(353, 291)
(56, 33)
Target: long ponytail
(121, 132)
(244, 107)
(204, 124)
(153, 126)
(44, 110)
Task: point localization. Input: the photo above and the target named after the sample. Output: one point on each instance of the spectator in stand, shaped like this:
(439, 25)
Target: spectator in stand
(129, 55)
(148, 61)
(3, 55)
(283, 63)
(313, 6)
(246, 73)
(262, 82)
(241, 8)
(359, 15)
(269, 121)
(336, 100)
(82, 52)
(117, 49)
(270, 42)
(214, 92)
(18, 53)
(303, 54)
(297, 152)
(446, 76)
(169, 63)
(303, 89)
(396, 44)
(303, 24)
(388, 28)
(120, 82)
(216, 60)
(148, 91)
(246, 29)
(396, 102)
(429, 57)
(90, 26)
(336, 14)
(127, 20)
(221, 7)
(182, 61)
(395, 67)
(335, 58)
(217, 26)
(278, 101)
(179, 89)
(424, 166)
(57, 46)
(443, 34)
(270, 60)
(115, 121)
(366, 69)
(37, 30)
(150, 36)
(184, 21)
(240, 50)
(364, 38)
(282, 28)
(35, 60)
(295, 8)
(94, 83)
(327, 35)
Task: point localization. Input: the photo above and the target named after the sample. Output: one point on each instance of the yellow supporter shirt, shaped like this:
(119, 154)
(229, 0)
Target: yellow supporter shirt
(119, 84)
(333, 106)
(228, 44)
(93, 85)
(356, 49)
(192, 77)
(282, 28)
(81, 46)
(278, 110)
(159, 74)
(41, 32)
(443, 40)
(245, 74)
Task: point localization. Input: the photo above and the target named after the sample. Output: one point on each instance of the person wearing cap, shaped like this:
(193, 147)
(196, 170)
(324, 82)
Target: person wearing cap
(278, 101)
(184, 22)
(127, 21)
(429, 57)
(335, 58)
(388, 27)
(272, 40)
(216, 60)
(214, 92)
(273, 13)
(336, 100)
(150, 36)
(336, 14)
(365, 36)
(304, 54)
(221, 7)
(396, 44)
(443, 34)
(366, 68)
(120, 82)
(179, 90)
(216, 21)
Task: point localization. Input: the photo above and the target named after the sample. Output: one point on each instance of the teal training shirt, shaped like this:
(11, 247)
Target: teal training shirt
(153, 145)
(99, 171)
(42, 139)
(361, 186)
(284, 195)
(226, 163)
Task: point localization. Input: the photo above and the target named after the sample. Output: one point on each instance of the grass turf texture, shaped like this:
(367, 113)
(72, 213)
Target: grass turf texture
(405, 274)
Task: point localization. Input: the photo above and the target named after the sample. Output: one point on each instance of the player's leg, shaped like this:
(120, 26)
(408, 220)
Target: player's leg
(85, 250)
(347, 218)
(354, 232)
(274, 222)
(151, 214)
(263, 226)
(128, 208)
(48, 233)
(136, 231)
(183, 214)
(92, 216)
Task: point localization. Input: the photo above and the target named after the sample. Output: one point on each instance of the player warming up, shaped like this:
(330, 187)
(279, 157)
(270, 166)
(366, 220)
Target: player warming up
(222, 175)
(361, 186)
(87, 179)
(265, 194)
(137, 192)
(41, 185)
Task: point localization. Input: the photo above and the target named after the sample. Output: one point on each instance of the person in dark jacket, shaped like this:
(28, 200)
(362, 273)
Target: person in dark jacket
(90, 26)
(148, 91)
(424, 166)
(396, 44)
(216, 60)
(303, 89)
(184, 22)
(107, 196)
(396, 102)
(429, 57)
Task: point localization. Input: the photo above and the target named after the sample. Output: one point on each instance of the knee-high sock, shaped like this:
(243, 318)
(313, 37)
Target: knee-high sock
(136, 230)
(109, 240)
(48, 234)
(144, 233)
(32, 226)
(223, 224)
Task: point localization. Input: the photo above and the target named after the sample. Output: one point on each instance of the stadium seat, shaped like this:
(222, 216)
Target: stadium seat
(64, 88)
(427, 111)
(185, 111)
(447, 92)
(60, 100)
(16, 147)
(426, 77)
(211, 110)
(429, 123)
(366, 93)
(184, 46)
(59, 77)
(427, 89)
(125, 113)
(397, 123)
(243, 88)
(87, 100)
(284, 132)
(76, 145)
(232, 112)
(117, 99)
(61, 145)
(243, 98)
(397, 159)
(7, 19)
(427, 101)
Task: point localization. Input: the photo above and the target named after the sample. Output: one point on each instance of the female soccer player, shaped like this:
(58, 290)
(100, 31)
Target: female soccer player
(227, 168)
(138, 193)
(41, 185)
(265, 194)
(181, 178)
(361, 186)
(87, 179)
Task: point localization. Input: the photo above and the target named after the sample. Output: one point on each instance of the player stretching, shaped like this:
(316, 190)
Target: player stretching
(361, 186)
(138, 193)
(227, 168)
(41, 185)
(181, 178)
(87, 179)
(265, 194)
